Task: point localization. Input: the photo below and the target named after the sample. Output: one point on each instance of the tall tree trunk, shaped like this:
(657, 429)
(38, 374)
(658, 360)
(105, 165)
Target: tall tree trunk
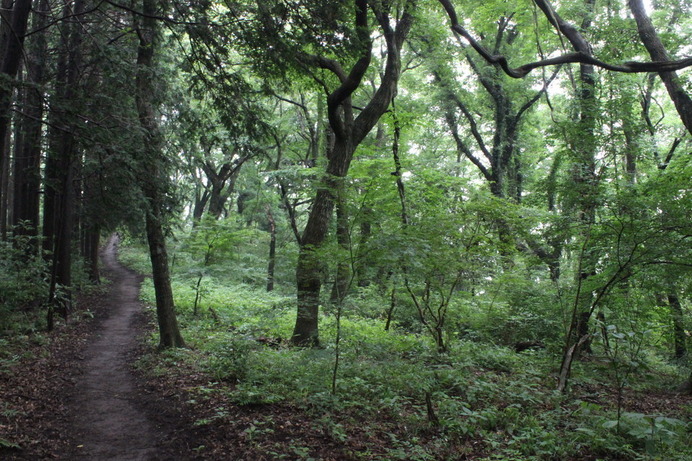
(272, 250)
(65, 165)
(27, 163)
(361, 259)
(5, 187)
(12, 51)
(309, 268)
(585, 187)
(653, 44)
(92, 240)
(348, 133)
(343, 266)
(201, 199)
(52, 163)
(169, 333)
(679, 336)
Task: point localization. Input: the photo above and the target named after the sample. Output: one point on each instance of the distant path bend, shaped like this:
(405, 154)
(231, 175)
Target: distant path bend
(108, 422)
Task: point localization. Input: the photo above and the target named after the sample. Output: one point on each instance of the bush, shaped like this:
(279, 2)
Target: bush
(23, 283)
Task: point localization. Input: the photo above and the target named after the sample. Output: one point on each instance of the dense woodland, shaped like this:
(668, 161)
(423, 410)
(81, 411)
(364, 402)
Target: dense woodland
(461, 228)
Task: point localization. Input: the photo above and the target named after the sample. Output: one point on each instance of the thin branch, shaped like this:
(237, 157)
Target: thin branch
(669, 157)
(461, 146)
(537, 96)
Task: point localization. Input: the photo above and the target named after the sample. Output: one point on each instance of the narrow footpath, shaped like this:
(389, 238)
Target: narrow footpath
(73, 394)
(108, 422)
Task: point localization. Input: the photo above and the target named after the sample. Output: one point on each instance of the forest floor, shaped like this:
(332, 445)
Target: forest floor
(74, 394)
(87, 391)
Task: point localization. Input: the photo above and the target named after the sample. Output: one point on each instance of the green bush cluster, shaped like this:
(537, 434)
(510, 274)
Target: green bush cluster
(23, 285)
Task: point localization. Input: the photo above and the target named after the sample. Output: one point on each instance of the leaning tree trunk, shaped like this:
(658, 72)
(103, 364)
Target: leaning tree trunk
(151, 185)
(653, 44)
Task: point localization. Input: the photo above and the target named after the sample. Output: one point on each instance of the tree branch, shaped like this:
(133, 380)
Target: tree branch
(653, 44)
(576, 57)
(461, 146)
(352, 81)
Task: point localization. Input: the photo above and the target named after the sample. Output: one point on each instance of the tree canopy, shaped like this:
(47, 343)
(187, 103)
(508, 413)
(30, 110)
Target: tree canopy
(515, 173)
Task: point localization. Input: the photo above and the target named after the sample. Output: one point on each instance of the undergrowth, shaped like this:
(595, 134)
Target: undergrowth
(480, 399)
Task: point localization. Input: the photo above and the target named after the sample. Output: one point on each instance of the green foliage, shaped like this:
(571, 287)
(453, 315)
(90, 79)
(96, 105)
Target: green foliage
(657, 436)
(135, 255)
(228, 361)
(23, 285)
(469, 275)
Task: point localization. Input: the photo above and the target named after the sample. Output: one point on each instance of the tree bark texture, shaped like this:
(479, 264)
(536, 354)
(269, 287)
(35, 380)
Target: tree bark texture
(272, 250)
(27, 160)
(12, 51)
(169, 333)
(653, 44)
(343, 266)
(348, 131)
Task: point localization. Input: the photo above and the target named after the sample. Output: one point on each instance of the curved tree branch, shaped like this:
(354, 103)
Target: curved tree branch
(576, 57)
(462, 147)
(352, 81)
(653, 44)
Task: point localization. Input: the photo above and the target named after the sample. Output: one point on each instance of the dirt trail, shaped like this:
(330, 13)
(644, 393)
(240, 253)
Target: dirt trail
(108, 421)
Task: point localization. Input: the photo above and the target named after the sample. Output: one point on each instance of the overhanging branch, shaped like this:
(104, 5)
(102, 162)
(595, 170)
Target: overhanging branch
(576, 57)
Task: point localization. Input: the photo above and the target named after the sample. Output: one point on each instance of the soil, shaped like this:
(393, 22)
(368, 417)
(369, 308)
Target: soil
(81, 399)
(108, 422)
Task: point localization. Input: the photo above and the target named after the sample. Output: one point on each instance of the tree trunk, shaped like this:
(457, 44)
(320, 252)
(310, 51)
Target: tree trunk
(585, 186)
(343, 266)
(12, 52)
(64, 166)
(169, 333)
(27, 162)
(272, 250)
(4, 187)
(309, 269)
(679, 336)
(222, 184)
(52, 173)
(348, 134)
(92, 240)
(201, 199)
(217, 198)
(653, 44)
(361, 260)
(165, 310)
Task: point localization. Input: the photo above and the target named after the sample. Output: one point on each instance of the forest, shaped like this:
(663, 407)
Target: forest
(366, 229)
